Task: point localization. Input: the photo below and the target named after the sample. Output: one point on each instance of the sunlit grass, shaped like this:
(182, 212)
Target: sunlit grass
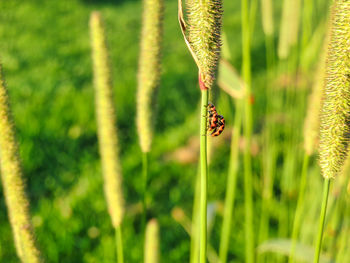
(45, 52)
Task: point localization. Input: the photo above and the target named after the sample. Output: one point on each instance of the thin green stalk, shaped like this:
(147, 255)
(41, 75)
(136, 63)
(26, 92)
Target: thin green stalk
(269, 156)
(195, 219)
(299, 207)
(270, 54)
(248, 188)
(252, 16)
(119, 240)
(204, 178)
(322, 219)
(144, 190)
(231, 185)
(269, 167)
(307, 22)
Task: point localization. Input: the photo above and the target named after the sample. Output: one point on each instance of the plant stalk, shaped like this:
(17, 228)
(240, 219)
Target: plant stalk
(318, 246)
(204, 178)
(119, 245)
(195, 219)
(248, 189)
(299, 207)
(144, 190)
(231, 185)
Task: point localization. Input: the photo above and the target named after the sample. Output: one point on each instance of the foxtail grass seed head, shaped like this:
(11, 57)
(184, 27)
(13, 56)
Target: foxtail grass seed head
(289, 28)
(204, 36)
(294, 21)
(312, 120)
(149, 69)
(106, 121)
(335, 111)
(267, 17)
(14, 184)
(283, 45)
(152, 242)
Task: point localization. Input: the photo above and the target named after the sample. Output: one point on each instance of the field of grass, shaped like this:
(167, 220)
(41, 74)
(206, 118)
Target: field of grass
(46, 56)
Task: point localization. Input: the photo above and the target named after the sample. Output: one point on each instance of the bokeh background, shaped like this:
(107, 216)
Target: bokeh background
(46, 55)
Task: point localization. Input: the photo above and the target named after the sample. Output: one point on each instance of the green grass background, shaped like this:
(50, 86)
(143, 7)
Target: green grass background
(45, 52)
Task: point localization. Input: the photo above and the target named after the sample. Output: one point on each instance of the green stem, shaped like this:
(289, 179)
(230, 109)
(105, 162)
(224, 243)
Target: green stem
(144, 190)
(322, 219)
(231, 186)
(119, 240)
(299, 207)
(269, 156)
(307, 22)
(248, 188)
(204, 178)
(270, 54)
(195, 220)
(269, 167)
(252, 15)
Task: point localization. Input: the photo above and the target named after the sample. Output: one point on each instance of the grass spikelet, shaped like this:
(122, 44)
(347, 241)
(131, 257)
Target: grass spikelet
(152, 242)
(283, 45)
(312, 120)
(106, 120)
(289, 27)
(335, 112)
(204, 28)
(294, 21)
(267, 17)
(149, 69)
(14, 185)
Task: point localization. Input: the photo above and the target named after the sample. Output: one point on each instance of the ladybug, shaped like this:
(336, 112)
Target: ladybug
(219, 127)
(216, 122)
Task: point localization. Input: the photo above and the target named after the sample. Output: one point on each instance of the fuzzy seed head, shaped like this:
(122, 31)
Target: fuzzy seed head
(152, 242)
(335, 112)
(289, 27)
(204, 35)
(267, 17)
(106, 121)
(14, 184)
(149, 69)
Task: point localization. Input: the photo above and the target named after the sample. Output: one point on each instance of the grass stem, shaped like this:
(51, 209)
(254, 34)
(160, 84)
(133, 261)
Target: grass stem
(195, 219)
(248, 188)
(322, 220)
(204, 178)
(299, 207)
(144, 190)
(231, 185)
(119, 245)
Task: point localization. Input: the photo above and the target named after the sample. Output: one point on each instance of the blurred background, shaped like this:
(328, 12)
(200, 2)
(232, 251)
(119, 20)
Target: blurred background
(46, 56)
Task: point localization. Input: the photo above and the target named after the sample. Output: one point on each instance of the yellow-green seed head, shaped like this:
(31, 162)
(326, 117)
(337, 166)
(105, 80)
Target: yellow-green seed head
(14, 185)
(152, 242)
(335, 112)
(106, 121)
(204, 35)
(267, 17)
(149, 69)
(289, 28)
